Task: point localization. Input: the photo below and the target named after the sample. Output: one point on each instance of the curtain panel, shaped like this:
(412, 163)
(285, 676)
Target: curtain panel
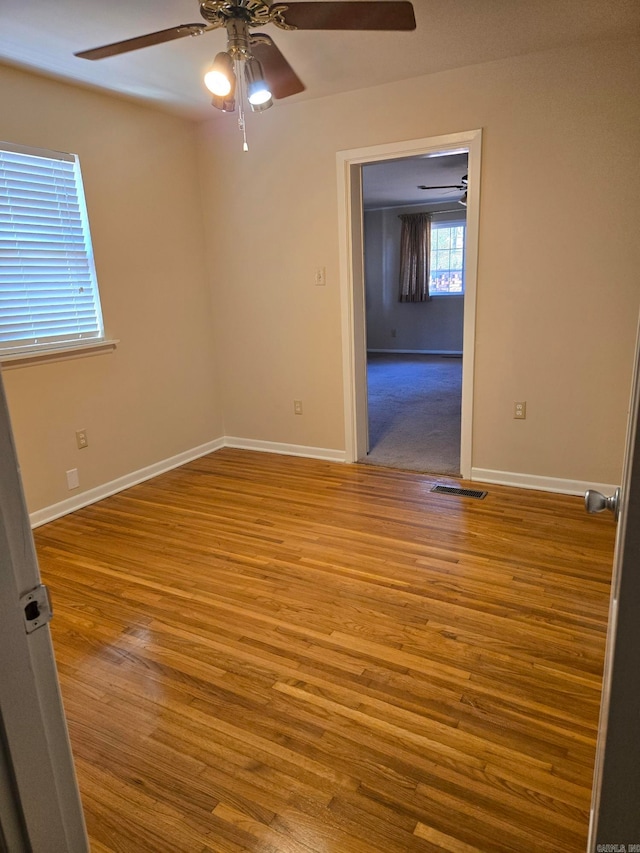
(415, 248)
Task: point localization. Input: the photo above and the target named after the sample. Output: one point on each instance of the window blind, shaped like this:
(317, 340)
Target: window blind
(48, 288)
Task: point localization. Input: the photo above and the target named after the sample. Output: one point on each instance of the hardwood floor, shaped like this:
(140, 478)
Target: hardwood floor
(267, 653)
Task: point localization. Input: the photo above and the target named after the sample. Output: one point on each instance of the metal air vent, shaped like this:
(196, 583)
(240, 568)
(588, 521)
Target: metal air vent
(463, 493)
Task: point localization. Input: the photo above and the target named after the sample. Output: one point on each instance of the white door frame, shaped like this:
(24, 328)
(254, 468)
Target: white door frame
(354, 344)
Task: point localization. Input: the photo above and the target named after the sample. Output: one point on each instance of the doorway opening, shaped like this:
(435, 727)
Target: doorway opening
(356, 338)
(414, 217)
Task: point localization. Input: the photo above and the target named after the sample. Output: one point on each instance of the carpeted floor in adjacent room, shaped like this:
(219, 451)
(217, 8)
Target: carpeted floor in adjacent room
(414, 412)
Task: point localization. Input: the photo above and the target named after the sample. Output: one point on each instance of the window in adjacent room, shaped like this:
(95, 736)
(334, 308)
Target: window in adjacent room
(446, 267)
(49, 296)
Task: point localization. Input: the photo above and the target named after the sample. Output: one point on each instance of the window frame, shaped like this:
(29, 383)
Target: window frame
(449, 219)
(87, 337)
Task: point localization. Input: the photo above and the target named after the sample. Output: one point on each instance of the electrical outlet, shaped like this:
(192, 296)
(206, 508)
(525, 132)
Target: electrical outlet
(321, 277)
(73, 480)
(297, 407)
(520, 411)
(81, 439)
(393, 333)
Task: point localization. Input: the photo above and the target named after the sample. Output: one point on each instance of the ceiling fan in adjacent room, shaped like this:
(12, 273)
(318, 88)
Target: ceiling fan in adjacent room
(267, 74)
(461, 187)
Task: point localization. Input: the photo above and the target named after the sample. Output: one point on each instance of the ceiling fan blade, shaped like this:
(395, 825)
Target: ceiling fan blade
(345, 15)
(282, 79)
(144, 41)
(446, 187)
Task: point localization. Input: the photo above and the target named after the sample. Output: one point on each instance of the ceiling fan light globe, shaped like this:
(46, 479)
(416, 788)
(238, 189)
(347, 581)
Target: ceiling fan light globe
(259, 108)
(217, 83)
(225, 105)
(258, 92)
(260, 96)
(220, 79)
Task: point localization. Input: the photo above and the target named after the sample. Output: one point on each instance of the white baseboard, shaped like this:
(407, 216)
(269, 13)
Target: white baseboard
(91, 496)
(482, 475)
(451, 352)
(285, 449)
(542, 484)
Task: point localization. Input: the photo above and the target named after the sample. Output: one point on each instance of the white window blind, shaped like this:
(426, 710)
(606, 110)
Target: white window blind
(48, 289)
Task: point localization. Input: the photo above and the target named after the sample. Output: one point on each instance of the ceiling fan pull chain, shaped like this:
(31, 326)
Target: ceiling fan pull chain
(245, 146)
(241, 85)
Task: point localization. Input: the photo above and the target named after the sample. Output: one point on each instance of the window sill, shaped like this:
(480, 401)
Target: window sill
(27, 359)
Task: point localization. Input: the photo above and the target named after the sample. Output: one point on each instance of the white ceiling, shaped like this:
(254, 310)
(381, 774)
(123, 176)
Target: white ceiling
(44, 34)
(395, 182)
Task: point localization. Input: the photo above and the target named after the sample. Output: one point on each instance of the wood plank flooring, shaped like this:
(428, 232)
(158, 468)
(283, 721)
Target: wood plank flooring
(266, 653)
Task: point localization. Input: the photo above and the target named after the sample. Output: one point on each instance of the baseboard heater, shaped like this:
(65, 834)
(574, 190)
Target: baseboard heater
(463, 493)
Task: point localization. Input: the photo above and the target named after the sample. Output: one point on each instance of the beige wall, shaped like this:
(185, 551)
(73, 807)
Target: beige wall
(558, 283)
(155, 396)
(558, 288)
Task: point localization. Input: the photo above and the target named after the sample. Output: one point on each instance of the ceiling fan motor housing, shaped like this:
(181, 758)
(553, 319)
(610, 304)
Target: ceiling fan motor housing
(254, 13)
(237, 39)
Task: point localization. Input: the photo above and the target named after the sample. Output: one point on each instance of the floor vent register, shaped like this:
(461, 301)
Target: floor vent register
(463, 493)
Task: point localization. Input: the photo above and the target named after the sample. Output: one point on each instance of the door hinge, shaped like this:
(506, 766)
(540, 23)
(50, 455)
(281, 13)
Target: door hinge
(36, 607)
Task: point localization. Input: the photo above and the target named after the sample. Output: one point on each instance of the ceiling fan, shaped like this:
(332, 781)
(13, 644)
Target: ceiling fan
(266, 69)
(461, 187)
